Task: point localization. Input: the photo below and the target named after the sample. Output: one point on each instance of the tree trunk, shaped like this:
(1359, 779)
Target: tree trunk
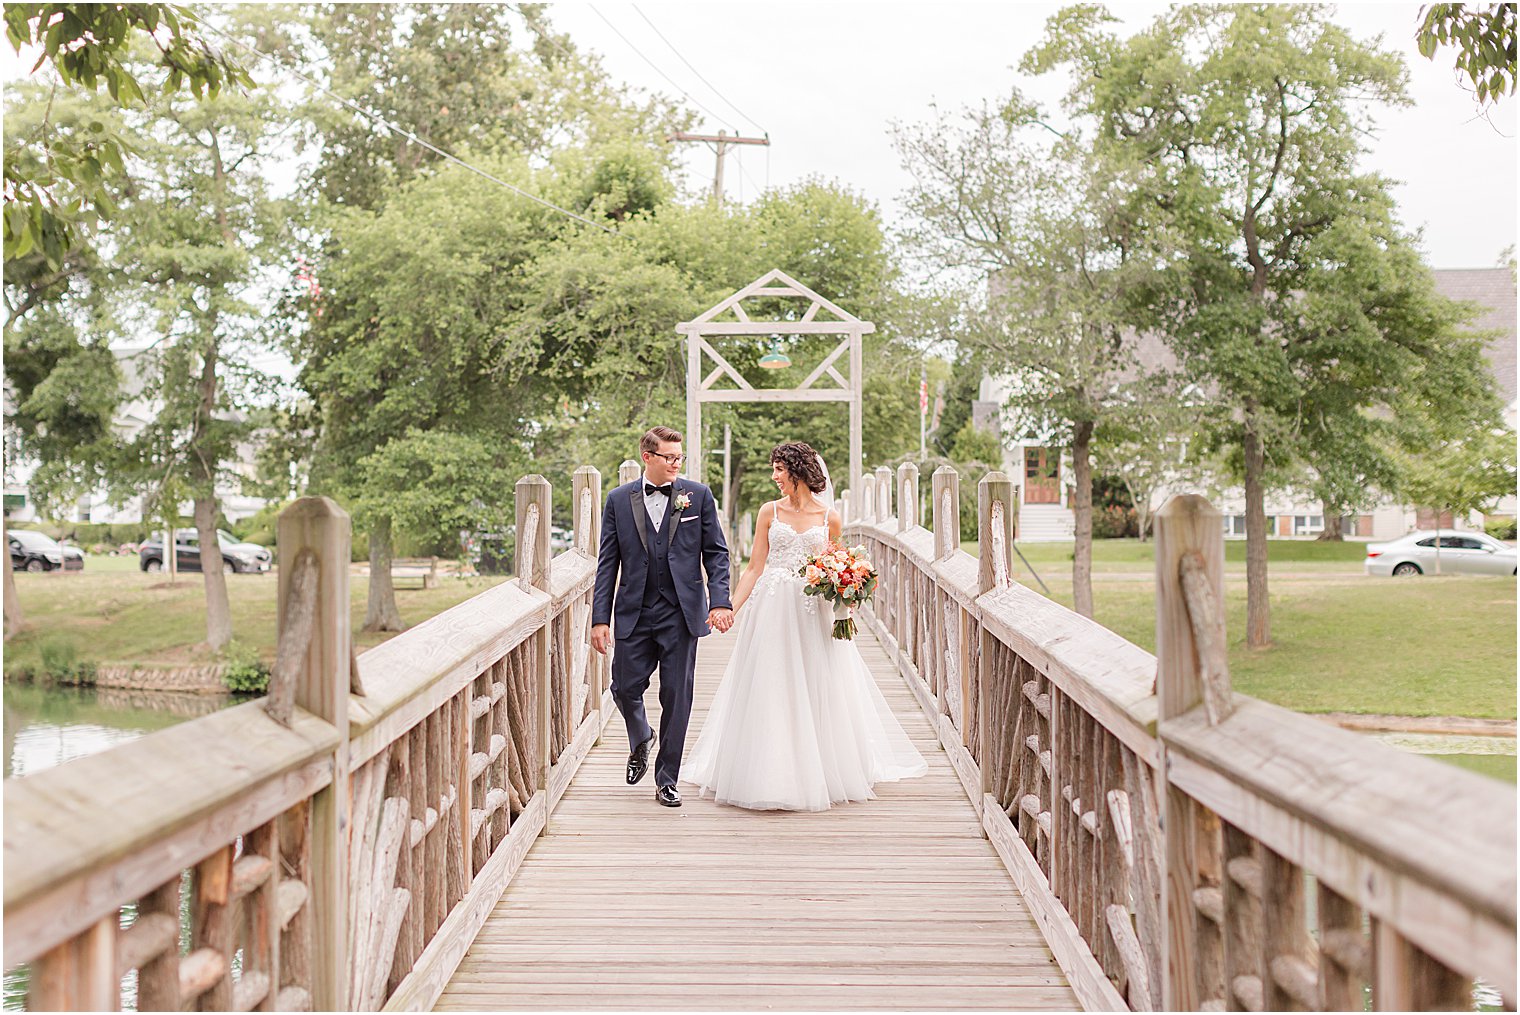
(218, 610)
(1332, 533)
(1143, 515)
(1258, 611)
(1081, 557)
(14, 622)
(381, 613)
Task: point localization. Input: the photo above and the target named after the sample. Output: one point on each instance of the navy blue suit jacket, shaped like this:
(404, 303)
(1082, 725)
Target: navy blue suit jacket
(695, 544)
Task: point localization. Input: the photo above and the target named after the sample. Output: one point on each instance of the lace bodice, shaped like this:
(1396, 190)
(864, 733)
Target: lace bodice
(789, 548)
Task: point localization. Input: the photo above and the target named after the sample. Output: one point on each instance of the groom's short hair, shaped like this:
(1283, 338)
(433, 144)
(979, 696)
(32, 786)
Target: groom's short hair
(652, 440)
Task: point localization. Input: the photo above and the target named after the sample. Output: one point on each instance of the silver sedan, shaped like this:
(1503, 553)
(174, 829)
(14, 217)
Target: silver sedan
(1458, 553)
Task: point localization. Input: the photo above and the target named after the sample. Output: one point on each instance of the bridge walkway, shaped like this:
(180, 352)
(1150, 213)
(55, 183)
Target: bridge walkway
(899, 902)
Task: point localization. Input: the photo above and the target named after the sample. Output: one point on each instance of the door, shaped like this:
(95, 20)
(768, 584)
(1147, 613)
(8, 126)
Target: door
(187, 555)
(1042, 476)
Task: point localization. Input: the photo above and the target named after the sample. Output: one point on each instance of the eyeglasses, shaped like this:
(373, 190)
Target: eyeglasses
(672, 459)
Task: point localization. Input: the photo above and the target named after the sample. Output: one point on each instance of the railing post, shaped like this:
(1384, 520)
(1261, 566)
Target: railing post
(321, 526)
(532, 557)
(629, 471)
(945, 489)
(1189, 538)
(994, 531)
(907, 496)
(586, 498)
(586, 487)
(847, 507)
(746, 541)
(994, 546)
(883, 494)
(867, 505)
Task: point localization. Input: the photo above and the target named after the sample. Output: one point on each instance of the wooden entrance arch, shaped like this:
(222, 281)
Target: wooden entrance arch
(834, 386)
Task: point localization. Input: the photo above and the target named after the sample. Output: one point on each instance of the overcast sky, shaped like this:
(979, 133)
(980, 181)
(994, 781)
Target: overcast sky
(826, 79)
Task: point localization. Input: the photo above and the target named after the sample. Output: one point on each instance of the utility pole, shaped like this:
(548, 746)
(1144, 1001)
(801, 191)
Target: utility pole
(722, 140)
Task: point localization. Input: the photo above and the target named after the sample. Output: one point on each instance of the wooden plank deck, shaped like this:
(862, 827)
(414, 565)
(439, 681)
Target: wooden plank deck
(897, 903)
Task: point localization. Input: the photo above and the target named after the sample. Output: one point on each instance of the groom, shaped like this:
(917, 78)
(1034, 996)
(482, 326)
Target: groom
(661, 532)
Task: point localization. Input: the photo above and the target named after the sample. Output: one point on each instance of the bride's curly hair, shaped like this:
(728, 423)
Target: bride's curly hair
(801, 463)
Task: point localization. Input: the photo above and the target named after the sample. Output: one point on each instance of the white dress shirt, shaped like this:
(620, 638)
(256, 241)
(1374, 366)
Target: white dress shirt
(655, 504)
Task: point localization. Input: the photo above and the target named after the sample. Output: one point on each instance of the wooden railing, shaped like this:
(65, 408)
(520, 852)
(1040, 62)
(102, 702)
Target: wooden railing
(337, 844)
(1181, 846)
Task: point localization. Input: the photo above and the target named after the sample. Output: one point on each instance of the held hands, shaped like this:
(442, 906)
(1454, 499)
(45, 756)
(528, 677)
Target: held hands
(601, 638)
(718, 618)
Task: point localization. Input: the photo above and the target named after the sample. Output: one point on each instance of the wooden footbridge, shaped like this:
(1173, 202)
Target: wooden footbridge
(440, 822)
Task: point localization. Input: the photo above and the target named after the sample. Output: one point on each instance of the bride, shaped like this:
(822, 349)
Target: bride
(797, 722)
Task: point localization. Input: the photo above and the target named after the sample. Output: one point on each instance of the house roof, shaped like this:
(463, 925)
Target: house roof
(1494, 290)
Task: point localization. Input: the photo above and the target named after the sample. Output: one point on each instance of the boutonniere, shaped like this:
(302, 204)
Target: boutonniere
(683, 501)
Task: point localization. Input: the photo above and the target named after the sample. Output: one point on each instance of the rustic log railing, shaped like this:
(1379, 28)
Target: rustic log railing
(1181, 846)
(338, 844)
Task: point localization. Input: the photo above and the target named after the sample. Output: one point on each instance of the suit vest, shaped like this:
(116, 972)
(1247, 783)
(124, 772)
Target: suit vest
(658, 583)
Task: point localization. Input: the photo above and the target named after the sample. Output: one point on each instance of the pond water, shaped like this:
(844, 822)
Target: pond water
(47, 726)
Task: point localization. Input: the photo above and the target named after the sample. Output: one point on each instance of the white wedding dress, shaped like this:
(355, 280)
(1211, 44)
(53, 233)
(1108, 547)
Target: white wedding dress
(798, 722)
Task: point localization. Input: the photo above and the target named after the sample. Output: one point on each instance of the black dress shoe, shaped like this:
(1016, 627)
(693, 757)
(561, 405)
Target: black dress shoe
(668, 796)
(638, 761)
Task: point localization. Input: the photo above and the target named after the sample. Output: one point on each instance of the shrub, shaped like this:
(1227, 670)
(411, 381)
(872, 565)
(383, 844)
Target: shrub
(1500, 528)
(1115, 522)
(246, 673)
(60, 664)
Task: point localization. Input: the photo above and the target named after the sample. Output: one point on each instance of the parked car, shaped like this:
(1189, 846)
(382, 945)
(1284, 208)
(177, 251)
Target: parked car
(1461, 553)
(36, 551)
(237, 557)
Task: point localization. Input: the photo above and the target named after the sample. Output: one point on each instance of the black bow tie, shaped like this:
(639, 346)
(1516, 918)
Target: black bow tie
(650, 488)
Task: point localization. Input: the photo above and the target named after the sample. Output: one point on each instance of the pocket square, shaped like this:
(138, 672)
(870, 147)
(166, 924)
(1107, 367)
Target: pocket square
(693, 518)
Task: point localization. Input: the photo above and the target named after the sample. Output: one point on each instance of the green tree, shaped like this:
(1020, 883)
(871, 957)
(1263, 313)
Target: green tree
(419, 327)
(972, 444)
(1300, 301)
(1142, 440)
(622, 297)
(65, 178)
(1059, 247)
(1484, 37)
(494, 78)
(187, 249)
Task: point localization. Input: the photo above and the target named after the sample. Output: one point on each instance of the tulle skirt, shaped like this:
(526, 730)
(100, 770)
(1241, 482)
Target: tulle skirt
(797, 722)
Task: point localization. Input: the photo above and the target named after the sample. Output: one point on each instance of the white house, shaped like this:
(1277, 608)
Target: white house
(1041, 469)
(135, 413)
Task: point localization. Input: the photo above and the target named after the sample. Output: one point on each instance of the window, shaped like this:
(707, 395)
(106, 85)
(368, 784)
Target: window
(1235, 526)
(1308, 525)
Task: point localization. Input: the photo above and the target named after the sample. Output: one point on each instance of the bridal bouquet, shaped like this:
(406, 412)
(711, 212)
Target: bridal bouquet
(842, 576)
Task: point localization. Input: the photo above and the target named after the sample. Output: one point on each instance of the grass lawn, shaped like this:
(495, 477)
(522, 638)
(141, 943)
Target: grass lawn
(1131, 555)
(1497, 766)
(1342, 642)
(123, 615)
(1432, 646)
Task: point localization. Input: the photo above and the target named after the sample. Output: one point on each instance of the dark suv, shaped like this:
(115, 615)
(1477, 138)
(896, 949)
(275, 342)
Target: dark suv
(237, 557)
(36, 551)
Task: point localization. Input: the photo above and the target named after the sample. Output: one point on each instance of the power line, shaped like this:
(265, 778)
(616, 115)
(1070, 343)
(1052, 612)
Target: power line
(655, 67)
(698, 73)
(388, 125)
(752, 182)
